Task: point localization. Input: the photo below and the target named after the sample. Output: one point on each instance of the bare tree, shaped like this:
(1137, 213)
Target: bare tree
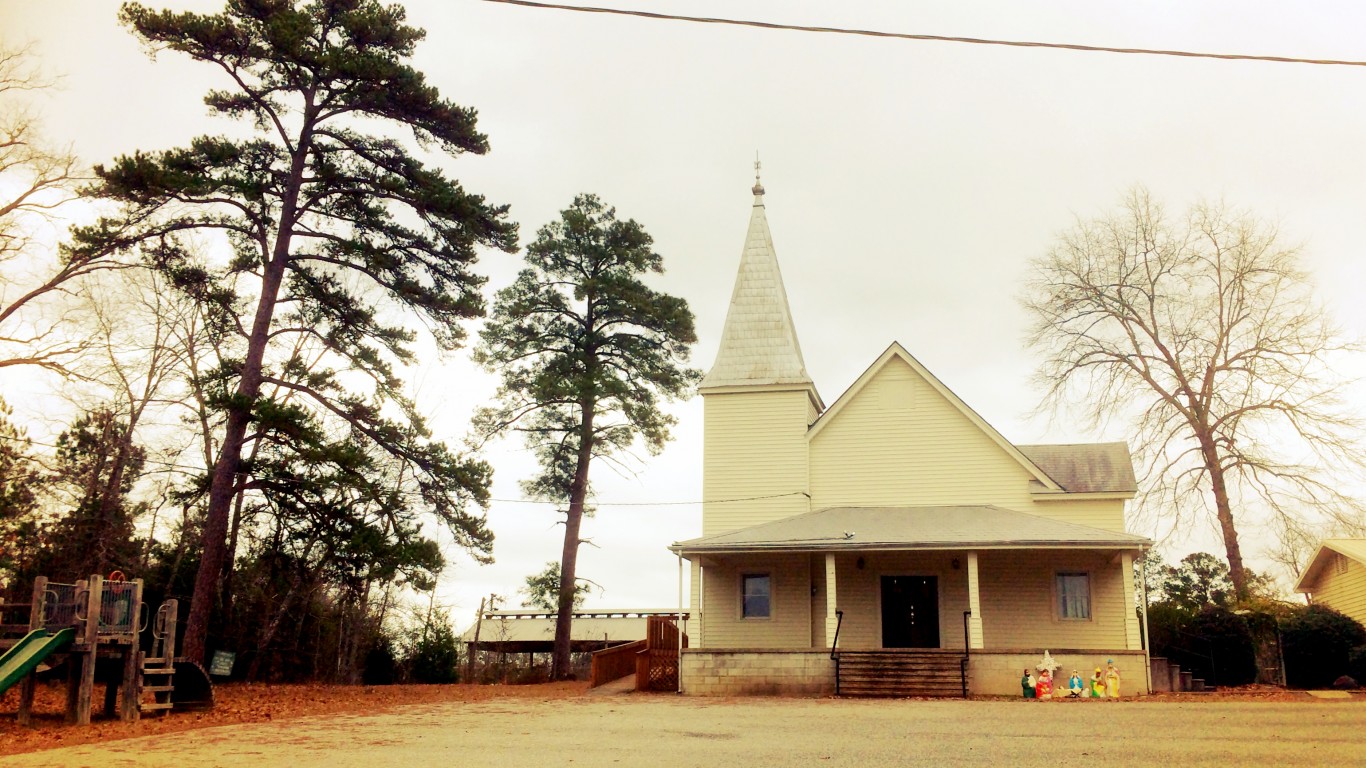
(1206, 333)
(36, 179)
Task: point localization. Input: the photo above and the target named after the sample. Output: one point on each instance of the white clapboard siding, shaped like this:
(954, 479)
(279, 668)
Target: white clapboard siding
(1344, 592)
(789, 625)
(858, 594)
(754, 446)
(1106, 514)
(1019, 601)
(899, 442)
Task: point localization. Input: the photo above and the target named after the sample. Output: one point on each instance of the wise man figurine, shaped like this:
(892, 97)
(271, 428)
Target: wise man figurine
(1111, 679)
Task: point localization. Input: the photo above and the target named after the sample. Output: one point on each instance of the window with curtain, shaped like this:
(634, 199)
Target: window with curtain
(1074, 595)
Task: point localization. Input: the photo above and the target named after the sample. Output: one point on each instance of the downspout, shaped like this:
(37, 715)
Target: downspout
(1147, 641)
(679, 624)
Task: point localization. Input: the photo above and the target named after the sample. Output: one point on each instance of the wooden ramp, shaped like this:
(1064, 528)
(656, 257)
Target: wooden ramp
(654, 660)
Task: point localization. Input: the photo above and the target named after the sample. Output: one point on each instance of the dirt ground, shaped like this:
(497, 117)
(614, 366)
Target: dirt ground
(565, 725)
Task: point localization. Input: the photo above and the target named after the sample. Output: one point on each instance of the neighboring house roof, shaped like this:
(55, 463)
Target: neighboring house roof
(534, 630)
(1086, 467)
(1353, 548)
(759, 342)
(898, 352)
(903, 528)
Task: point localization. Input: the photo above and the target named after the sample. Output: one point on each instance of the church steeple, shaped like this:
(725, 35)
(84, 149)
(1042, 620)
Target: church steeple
(759, 346)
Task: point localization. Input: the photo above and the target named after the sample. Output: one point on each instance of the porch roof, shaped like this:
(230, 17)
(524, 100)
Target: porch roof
(911, 528)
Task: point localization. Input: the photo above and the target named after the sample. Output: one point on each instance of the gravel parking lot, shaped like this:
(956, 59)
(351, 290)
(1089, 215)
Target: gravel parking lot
(669, 731)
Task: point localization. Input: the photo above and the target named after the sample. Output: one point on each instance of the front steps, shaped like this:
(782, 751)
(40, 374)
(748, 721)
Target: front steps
(899, 673)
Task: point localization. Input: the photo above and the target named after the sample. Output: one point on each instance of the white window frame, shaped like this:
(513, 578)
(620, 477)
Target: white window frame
(1059, 605)
(744, 579)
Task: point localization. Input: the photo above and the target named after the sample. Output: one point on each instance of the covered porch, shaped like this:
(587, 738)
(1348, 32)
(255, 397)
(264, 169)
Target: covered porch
(991, 585)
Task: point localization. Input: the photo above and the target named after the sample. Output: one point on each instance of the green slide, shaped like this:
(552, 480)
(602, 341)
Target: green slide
(29, 653)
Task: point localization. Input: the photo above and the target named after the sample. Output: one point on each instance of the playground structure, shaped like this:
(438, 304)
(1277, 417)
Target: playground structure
(94, 627)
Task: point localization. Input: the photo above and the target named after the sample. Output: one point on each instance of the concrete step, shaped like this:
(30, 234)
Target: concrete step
(892, 674)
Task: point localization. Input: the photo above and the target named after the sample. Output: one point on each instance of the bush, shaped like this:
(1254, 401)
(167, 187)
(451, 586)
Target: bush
(1214, 645)
(381, 667)
(435, 656)
(1356, 663)
(1318, 646)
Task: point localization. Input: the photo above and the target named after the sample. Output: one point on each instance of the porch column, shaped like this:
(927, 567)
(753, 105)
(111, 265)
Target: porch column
(974, 604)
(1131, 628)
(831, 603)
(695, 603)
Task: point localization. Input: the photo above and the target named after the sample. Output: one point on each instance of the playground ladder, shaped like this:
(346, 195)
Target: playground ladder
(158, 668)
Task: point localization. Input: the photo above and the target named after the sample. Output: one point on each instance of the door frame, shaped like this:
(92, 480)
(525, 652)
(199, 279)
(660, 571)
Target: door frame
(938, 597)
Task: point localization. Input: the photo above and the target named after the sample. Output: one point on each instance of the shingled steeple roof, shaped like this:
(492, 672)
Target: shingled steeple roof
(759, 342)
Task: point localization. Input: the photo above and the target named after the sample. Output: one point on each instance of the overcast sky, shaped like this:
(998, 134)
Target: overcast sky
(909, 183)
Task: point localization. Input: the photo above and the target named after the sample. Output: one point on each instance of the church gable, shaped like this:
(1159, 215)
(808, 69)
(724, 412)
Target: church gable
(898, 436)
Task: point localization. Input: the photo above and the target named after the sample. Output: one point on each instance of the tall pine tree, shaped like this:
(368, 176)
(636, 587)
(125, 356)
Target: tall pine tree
(586, 350)
(339, 234)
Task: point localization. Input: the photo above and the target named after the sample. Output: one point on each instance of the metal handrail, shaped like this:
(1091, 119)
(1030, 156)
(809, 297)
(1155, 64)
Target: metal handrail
(834, 648)
(967, 652)
(834, 644)
(159, 623)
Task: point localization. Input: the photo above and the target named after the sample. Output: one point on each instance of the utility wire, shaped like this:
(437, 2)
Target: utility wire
(931, 38)
(173, 465)
(654, 503)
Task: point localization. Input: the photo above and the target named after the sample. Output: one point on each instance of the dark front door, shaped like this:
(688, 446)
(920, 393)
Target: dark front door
(910, 612)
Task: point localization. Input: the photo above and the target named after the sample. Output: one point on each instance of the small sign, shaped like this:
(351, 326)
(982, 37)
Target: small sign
(221, 664)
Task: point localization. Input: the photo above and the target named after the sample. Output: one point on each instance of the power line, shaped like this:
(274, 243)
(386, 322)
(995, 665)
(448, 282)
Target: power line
(655, 503)
(148, 459)
(930, 38)
(173, 465)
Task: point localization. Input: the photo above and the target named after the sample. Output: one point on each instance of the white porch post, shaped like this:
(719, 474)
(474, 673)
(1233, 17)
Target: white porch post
(695, 604)
(1131, 624)
(831, 603)
(974, 604)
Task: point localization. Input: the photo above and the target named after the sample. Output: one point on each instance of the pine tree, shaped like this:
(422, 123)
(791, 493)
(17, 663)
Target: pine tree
(336, 231)
(586, 350)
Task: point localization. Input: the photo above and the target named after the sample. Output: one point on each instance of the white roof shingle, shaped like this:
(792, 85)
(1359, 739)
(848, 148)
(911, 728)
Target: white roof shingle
(759, 342)
(904, 528)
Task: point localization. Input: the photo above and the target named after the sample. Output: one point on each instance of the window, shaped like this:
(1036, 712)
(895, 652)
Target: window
(755, 600)
(1074, 595)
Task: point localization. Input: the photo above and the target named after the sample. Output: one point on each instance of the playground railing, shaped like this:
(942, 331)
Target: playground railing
(119, 607)
(60, 605)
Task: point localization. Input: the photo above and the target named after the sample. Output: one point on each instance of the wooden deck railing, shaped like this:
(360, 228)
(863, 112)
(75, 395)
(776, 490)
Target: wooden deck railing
(614, 663)
(657, 665)
(654, 660)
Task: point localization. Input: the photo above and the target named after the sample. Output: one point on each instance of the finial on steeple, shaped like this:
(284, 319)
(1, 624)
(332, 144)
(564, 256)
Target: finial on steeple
(758, 188)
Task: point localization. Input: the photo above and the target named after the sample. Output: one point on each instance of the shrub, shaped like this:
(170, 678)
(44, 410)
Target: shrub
(1356, 663)
(1214, 644)
(1318, 645)
(381, 667)
(1229, 643)
(435, 656)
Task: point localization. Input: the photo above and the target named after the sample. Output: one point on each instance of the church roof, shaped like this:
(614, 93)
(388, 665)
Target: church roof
(1086, 467)
(910, 528)
(759, 342)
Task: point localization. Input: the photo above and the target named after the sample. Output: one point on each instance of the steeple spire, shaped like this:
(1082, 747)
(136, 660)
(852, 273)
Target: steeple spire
(759, 344)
